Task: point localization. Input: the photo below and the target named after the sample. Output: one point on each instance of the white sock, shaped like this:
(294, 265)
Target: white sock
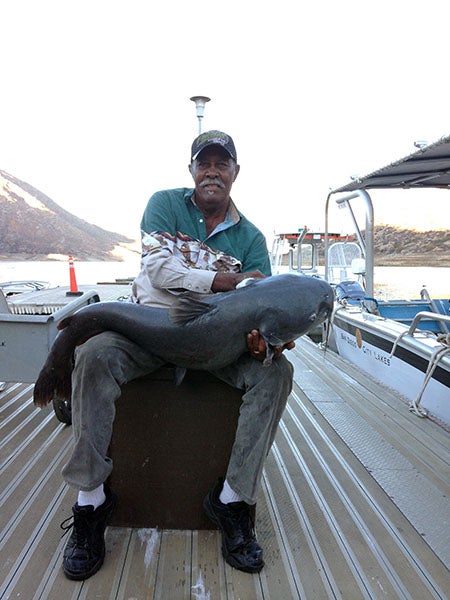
(227, 495)
(93, 498)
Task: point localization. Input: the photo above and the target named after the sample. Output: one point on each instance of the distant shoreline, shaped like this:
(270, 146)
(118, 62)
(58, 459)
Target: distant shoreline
(411, 260)
(414, 260)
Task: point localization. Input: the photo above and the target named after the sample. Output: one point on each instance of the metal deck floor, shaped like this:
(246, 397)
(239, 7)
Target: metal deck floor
(354, 504)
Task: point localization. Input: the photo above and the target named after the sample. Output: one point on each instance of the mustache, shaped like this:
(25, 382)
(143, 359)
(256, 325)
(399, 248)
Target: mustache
(212, 181)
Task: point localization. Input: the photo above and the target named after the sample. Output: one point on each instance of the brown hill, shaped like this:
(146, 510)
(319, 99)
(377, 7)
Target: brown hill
(34, 226)
(395, 246)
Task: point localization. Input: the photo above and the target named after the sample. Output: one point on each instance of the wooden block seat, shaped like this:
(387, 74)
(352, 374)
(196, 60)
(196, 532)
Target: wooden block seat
(170, 444)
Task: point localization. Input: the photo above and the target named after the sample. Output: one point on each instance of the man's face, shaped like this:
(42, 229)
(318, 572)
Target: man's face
(214, 172)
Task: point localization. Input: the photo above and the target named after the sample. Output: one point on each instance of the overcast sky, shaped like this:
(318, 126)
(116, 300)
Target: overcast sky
(95, 108)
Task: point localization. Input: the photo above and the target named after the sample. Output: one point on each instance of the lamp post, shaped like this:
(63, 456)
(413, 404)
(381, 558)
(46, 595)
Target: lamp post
(200, 102)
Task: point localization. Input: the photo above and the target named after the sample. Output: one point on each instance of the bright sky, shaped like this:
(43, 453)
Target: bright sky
(95, 108)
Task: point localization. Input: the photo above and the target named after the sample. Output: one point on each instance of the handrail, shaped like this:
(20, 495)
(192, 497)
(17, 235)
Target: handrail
(299, 242)
(426, 316)
(425, 295)
(369, 234)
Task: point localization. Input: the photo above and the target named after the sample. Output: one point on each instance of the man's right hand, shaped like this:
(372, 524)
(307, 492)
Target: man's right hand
(225, 282)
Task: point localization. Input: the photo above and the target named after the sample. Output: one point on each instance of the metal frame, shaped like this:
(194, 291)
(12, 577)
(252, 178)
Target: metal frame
(366, 244)
(426, 316)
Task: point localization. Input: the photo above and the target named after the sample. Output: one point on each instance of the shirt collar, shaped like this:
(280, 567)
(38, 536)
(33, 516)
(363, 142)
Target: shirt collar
(232, 212)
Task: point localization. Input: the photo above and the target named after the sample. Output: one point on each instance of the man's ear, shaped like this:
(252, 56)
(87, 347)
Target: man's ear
(236, 171)
(190, 169)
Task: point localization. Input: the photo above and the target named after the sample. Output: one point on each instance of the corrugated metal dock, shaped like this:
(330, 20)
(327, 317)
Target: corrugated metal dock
(354, 504)
(48, 301)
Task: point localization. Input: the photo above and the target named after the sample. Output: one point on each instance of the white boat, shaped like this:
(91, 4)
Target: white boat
(404, 344)
(300, 251)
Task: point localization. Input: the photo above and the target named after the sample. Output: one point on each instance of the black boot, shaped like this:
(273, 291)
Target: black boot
(85, 551)
(239, 546)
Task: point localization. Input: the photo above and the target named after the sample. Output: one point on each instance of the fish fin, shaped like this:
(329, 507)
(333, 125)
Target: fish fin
(180, 372)
(269, 351)
(269, 355)
(187, 308)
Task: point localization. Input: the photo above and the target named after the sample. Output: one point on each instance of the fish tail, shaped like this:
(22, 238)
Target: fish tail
(44, 389)
(51, 384)
(64, 323)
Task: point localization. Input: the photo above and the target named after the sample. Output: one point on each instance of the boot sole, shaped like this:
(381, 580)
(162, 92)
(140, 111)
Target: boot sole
(82, 576)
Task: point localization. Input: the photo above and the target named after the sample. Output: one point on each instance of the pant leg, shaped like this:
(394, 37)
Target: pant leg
(102, 365)
(266, 393)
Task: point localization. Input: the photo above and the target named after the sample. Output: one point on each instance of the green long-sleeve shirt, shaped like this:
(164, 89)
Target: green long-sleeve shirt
(173, 211)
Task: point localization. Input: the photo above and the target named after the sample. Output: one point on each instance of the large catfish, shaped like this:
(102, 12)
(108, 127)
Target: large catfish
(197, 334)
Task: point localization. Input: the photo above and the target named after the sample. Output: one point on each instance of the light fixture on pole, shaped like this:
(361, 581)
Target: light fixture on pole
(200, 102)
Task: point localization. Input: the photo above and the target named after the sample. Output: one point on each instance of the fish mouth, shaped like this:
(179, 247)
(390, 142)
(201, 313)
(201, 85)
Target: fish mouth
(275, 342)
(325, 310)
(322, 313)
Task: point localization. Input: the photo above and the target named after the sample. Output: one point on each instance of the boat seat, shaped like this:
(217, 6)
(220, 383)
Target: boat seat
(170, 444)
(404, 312)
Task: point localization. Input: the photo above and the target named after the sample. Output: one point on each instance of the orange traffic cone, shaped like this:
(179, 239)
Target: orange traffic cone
(73, 280)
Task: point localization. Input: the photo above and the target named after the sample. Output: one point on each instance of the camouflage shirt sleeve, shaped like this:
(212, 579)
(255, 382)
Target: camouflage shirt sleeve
(173, 264)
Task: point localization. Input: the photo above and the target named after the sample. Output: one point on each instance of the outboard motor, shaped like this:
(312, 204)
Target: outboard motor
(349, 290)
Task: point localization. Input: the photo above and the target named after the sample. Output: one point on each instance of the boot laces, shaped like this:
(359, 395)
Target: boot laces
(79, 526)
(67, 525)
(244, 522)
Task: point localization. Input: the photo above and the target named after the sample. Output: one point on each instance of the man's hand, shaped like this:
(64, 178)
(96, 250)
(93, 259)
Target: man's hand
(256, 346)
(225, 282)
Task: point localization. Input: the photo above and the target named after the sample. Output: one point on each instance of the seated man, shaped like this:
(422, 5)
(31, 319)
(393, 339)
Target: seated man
(192, 240)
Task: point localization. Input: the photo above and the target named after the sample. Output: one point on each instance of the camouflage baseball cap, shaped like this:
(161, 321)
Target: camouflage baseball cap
(211, 138)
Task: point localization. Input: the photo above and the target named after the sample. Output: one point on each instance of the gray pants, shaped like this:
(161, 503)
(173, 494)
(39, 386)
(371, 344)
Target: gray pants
(107, 361)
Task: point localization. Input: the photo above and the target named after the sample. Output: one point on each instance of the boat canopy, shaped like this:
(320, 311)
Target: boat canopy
(429, 167)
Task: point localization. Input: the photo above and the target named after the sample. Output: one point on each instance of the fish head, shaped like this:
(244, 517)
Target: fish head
(302, 303)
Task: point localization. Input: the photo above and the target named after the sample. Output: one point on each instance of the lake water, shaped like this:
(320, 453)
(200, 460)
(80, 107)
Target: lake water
(406, 282)
(390, 282)
(57, 272)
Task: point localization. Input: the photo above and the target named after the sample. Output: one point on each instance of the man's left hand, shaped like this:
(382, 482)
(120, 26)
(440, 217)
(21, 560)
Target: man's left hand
(256, 346)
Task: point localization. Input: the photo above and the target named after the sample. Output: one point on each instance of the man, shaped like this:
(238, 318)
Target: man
(192, 240)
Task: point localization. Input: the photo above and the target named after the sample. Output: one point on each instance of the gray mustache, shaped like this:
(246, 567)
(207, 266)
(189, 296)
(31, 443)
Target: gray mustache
(212, 181)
